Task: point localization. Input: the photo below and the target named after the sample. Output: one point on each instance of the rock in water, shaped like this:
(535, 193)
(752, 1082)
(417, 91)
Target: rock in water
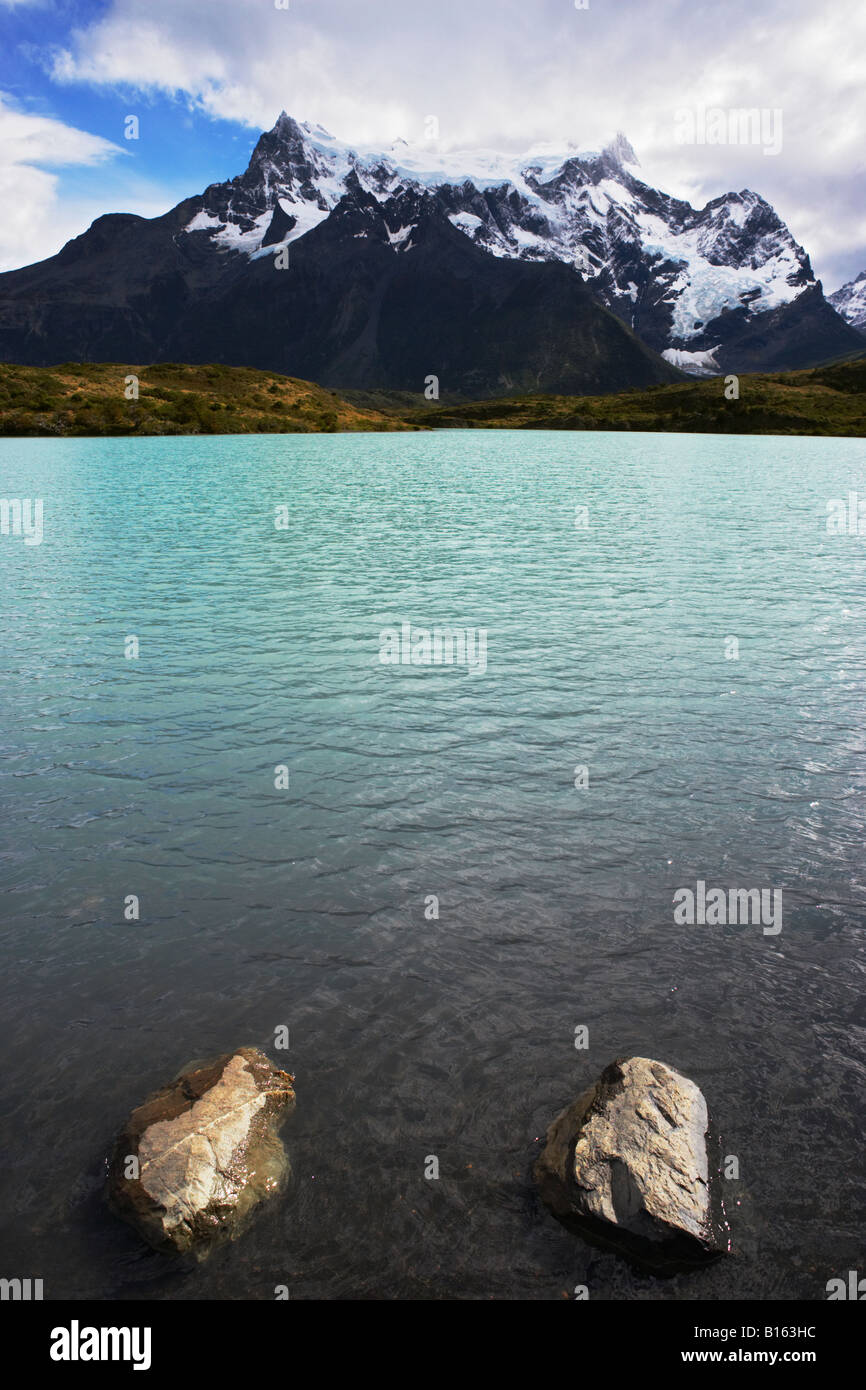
(627, 1164)
(206, 1152)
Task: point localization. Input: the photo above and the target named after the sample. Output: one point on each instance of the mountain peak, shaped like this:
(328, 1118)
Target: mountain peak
(281, 151)
(850, 302)
(691, 284)
(621, 151)
(712, 270)
(285, 125)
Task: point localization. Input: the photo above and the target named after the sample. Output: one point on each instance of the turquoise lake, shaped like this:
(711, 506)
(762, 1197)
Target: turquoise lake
(674, 694)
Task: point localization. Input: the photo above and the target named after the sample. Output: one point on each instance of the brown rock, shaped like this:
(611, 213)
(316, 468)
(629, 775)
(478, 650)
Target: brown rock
(198, 1156)
(626, 1164)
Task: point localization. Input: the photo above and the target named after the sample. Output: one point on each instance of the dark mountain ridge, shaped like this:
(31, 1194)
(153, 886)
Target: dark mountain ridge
(568, 276)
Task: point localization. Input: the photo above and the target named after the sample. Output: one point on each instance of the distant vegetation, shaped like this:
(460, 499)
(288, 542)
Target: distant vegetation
(824, 401)
(87, 399)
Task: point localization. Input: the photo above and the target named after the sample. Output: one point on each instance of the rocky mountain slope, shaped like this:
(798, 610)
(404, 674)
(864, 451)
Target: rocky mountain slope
(850, 302)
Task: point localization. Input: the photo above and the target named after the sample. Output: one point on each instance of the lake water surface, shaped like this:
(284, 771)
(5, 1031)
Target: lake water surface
(608, 648)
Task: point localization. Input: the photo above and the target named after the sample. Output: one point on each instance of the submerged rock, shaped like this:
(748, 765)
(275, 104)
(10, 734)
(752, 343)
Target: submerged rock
(196, 1158)
(626, 1164)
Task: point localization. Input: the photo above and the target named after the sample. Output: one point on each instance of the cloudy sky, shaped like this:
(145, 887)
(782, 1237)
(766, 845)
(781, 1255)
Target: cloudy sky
(205, 76)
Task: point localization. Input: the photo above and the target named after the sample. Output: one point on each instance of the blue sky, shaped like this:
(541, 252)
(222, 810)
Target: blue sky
(205, 76)
(181, 148)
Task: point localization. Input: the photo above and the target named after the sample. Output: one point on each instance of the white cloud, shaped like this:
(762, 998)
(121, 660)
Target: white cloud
(33, 212)
(515, 72)
(26, 138)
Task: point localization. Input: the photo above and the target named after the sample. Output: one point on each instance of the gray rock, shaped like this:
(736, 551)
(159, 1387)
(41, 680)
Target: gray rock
(627, 1164)
(199, 1155)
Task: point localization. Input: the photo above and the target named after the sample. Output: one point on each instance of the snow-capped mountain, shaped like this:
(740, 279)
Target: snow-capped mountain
(687, 281)
(557, 271)
(850, 302)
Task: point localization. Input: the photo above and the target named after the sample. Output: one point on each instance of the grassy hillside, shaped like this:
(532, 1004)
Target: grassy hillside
(825, 400)
(87, 399)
